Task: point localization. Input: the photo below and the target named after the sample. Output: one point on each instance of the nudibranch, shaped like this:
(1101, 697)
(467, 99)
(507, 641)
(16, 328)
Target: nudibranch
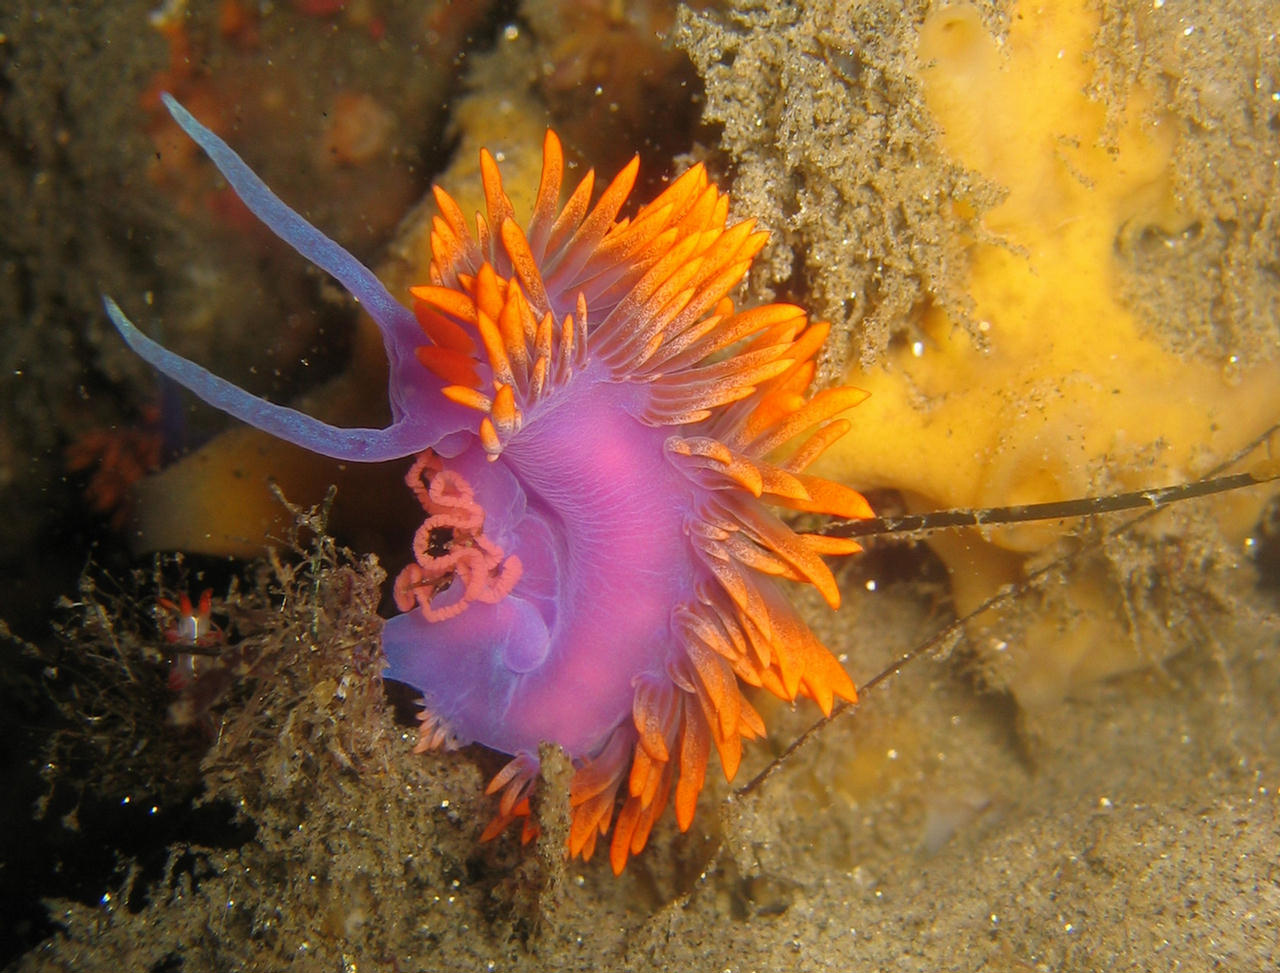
(599, 444)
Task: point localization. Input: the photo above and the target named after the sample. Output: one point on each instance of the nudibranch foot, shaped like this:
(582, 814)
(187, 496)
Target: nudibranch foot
(602, 449)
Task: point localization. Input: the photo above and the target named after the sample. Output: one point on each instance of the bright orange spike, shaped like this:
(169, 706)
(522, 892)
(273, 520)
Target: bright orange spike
(506, 417)
(544, 207)
(451, 366)
(495, 350)
(468, 397)
(496, 202)
(695, 747)
(524, 263)
(447, 300)
(489, 438)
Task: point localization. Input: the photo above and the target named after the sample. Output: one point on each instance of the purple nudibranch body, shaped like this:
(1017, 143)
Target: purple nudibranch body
(593, 430)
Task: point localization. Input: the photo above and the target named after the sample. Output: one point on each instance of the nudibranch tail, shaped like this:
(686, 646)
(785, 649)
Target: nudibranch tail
(603, 446)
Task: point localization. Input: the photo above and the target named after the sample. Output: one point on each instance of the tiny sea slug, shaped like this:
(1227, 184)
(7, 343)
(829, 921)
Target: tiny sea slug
(598, 441)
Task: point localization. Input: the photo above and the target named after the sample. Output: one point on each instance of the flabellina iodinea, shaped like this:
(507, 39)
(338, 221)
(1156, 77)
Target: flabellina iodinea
(599, 442)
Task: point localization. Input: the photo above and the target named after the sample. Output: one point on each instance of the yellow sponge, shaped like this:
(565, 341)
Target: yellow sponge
(1053, 389)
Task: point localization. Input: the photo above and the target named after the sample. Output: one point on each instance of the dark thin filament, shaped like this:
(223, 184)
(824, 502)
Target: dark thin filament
(1150, 499)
